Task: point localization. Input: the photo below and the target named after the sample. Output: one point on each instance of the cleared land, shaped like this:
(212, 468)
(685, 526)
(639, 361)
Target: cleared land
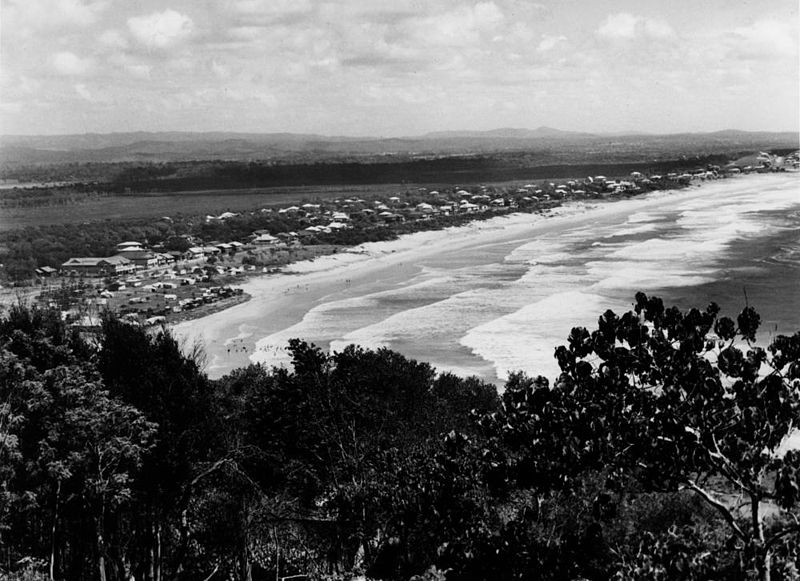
(156, 205)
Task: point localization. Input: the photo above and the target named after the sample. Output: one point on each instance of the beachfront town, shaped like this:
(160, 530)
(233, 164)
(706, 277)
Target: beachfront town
(148, 284)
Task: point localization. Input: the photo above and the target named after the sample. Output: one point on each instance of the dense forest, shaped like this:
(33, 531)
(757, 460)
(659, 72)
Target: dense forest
(192, 176)
(653, 455)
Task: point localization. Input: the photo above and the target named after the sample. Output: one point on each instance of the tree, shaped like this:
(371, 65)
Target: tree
(674, 400)
(345, 444)
(150, 372)
(90, 448)
(69, 451)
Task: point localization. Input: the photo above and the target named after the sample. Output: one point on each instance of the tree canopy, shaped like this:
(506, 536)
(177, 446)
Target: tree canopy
(659, 452)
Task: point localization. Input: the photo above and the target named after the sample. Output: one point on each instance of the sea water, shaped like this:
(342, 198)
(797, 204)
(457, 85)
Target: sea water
(503, 305)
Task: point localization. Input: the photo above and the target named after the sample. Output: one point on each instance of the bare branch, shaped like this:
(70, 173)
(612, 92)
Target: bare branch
(721, 508)
(214, 572)
(778, 536)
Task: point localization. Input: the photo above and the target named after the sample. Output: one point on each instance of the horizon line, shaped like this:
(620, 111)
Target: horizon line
(442, 132)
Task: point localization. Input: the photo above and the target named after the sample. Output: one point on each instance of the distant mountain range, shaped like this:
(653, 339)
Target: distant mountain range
(186, 146)
(509, 133)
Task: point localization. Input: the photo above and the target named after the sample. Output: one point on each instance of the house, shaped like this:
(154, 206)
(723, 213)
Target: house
(265, 240)
(110, 266)
(141, 258)
(390, 217)
(46, 271)
(130, 245)
(195, 252)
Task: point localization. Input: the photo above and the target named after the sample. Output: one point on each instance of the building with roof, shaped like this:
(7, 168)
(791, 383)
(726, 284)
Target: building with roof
(265, 239)
(91, 266)
(46, 271)
(141, 258)
(130, 245)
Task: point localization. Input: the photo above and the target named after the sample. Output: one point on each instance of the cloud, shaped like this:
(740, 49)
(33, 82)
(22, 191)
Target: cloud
(549, 42)
(84, 92)
(49, 14)
(626, 26)
(161, 29)
(69, 64)
(464, 25)
(765, 39)
(139, 71)
(272, 8)
(114, 39)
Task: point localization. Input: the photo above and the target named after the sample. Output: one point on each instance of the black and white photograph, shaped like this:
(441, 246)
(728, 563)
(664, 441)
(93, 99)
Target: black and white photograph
(355, 290)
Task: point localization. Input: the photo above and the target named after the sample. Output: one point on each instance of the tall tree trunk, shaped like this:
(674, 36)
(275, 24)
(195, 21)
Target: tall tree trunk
(277, 553)
(150, 535)
(158, 551)
(101, 551)
(246, 573)
(761, 554)
(53, 533)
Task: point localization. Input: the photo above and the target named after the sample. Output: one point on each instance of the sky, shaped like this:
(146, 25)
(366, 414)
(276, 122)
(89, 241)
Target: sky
(397, 67)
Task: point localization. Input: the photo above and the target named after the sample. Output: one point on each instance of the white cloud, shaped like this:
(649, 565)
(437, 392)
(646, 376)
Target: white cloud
(92, 95)
(49, 14)
(114, 39)
(69, 64)
(462, 26)
(549, 42)
(766, 39)
(626, 26)
(161, 29)
(272, 8)
(622, 25)
(654, 28)
(139, 71)
(84, 92)
(220, 70)
(12, 107)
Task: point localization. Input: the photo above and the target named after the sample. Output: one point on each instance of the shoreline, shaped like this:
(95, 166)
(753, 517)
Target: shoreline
(278, 301)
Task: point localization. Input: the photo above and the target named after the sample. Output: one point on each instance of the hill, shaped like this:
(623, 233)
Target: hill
(17, 150)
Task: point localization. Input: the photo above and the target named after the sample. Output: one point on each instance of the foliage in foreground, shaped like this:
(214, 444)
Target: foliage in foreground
(654, 455)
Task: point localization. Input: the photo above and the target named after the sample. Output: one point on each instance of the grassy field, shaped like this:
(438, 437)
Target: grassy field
(156, 205)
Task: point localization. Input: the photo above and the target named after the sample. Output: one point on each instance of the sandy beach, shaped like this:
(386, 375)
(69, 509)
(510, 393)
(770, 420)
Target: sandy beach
(280, 300)
(236, 336)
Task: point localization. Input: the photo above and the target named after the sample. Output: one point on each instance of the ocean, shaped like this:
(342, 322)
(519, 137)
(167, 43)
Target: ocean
(504, 302)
